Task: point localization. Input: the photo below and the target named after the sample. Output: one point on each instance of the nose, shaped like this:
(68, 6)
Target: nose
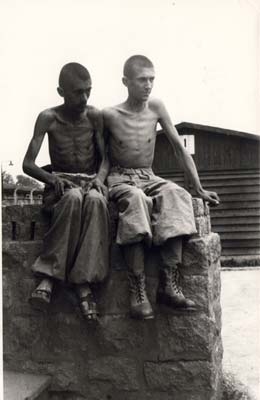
(149, 84)
(85, 97)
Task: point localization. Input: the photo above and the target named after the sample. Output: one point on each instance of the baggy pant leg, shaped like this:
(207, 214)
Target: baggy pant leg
(134, 224)
(60, 242)
(172, 212)
(92, 260)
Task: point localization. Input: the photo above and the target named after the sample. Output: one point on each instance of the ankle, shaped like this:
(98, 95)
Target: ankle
(46, 285)
(83, 289)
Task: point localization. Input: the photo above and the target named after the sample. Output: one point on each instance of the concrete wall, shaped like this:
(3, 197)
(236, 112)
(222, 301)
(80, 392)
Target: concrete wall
(178, 355)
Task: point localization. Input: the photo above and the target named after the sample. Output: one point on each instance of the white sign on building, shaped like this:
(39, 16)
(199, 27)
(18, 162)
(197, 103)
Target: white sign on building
(188, 142)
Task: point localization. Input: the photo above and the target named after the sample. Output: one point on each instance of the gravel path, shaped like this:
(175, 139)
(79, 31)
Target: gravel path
(241, 325)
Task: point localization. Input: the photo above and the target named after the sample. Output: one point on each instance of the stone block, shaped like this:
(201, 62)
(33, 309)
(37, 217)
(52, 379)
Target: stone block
(185, 337)
(12, 213)
(33, 212)
(24, 223)
(206, 209)
(126, 337)
(19, 255)
(185, 377)
(201, 226)
(208, 223)
(121, 372)
(7, 231)
(158, 395)
(114, 296)
(200, 253)
(117, 258)
(197, 288)
(177, 355)
(198, 207)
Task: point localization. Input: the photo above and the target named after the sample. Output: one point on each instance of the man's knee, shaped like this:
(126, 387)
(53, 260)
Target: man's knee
(136, 194)
(94, 197)
(72, 196)
(134, 198)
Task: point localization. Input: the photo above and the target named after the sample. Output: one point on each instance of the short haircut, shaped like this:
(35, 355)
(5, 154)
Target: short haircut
(137, 60)
(72, 71)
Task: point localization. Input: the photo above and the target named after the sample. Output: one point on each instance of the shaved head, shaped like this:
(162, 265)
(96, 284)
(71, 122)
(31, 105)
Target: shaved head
(71, 72)
(136, 61)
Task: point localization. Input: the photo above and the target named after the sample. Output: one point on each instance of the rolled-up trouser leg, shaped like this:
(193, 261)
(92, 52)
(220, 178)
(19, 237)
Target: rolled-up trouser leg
(60, 242)
(134, 224)
(92, 260)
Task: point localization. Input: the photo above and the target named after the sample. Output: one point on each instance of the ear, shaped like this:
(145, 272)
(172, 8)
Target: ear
(125, 81)
(60, 91)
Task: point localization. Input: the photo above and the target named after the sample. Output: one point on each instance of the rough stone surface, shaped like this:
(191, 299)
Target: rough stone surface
(179, 377)
(121, 372)
(200, 253)
(185, 337)
(177, 355)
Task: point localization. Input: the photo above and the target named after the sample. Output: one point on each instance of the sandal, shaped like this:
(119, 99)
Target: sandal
(40, 299)
(88, 307)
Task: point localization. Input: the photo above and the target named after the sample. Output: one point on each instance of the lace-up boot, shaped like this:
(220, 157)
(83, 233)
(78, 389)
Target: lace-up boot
(140, 307)
(169, 290)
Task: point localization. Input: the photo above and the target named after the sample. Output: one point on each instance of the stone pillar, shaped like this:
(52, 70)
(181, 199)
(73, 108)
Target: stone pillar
(178, 355)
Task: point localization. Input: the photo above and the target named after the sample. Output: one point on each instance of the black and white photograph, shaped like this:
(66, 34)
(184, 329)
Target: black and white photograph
(130, 188)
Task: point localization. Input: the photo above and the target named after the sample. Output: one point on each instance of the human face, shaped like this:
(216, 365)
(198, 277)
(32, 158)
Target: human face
(76, 94)
(140, 84)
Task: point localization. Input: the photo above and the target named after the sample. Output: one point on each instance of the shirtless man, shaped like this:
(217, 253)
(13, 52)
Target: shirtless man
(75, 248)
(151, 209)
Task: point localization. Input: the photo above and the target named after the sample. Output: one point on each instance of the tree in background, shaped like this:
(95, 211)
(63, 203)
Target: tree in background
(7, 178)
(23, 180)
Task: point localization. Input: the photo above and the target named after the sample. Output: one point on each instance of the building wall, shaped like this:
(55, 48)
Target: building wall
(213, 152)
(229, 165)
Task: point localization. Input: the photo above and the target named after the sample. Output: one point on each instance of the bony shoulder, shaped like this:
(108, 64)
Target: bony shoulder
(156, 103)
(47, 115)
(108, 112)
(93, 112)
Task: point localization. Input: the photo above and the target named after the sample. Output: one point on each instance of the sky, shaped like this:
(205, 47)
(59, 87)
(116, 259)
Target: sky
(205, 52)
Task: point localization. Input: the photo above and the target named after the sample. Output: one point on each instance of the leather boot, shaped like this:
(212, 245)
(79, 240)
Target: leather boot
(140, 307)
(170, 292)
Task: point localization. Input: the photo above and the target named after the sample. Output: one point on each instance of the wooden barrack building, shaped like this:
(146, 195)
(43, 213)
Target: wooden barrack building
(228, 163)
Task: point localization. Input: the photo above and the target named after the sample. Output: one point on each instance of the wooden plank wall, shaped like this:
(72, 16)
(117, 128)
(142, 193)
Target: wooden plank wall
(229, 165)
(237, 218)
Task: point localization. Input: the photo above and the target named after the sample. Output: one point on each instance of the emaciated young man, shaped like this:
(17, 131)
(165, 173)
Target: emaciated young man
(151, 209)
(76, 246)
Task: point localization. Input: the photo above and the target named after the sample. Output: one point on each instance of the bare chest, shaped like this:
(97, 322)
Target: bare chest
(137, 127)
(65, 136)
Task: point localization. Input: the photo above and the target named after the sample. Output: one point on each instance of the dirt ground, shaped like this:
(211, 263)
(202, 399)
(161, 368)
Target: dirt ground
(240, 300)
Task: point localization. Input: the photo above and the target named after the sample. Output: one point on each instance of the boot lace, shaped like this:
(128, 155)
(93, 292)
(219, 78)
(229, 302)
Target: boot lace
(137, 287)
(176, 281)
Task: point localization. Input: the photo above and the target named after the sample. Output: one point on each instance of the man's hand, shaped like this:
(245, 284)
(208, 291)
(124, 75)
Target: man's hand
(99, 186)
(211, 197)
(60, 184)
